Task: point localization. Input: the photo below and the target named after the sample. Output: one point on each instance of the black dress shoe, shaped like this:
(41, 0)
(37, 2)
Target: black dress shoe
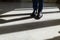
(39, 16)
(34, 14)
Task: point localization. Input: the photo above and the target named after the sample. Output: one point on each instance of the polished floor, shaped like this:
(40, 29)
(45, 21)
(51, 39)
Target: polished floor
(16, 23)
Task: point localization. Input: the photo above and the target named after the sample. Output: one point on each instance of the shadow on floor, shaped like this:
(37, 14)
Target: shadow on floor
(5, 21)
(15, 15)
(27, 14)
(28, 26)
(55, 38)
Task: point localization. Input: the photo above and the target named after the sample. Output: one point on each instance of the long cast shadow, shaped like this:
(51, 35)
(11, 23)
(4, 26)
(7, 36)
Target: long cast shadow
(27, 14)
(15, 15)
(5, 21)
(28, 26)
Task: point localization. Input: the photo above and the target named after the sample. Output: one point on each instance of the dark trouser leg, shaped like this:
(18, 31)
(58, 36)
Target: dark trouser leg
(40, 6)
(35, 4)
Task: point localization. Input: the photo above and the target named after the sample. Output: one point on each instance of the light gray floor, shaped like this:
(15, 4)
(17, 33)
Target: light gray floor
(16, 23)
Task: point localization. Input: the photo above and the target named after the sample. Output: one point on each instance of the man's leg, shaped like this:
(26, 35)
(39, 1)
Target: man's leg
(35, 5)
(35, 2)
(40, 7)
